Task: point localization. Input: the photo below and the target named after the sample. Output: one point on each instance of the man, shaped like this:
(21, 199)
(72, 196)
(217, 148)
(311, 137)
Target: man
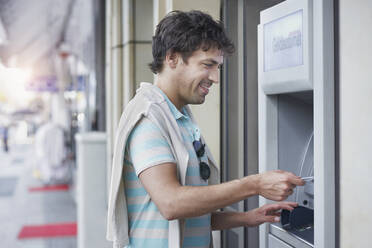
(164, 190)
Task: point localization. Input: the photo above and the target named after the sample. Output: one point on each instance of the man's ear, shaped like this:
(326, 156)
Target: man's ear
(172, 58)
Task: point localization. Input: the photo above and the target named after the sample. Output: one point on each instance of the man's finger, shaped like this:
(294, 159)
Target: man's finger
(279, 206)
(293, 204)
(285, 205)
(275, 211)
(293, 179)
(272, 219)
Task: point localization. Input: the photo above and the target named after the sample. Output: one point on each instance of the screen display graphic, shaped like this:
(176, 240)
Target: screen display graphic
(283, 42)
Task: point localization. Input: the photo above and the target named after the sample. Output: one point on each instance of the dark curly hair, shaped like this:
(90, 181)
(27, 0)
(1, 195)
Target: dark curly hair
(186, 32)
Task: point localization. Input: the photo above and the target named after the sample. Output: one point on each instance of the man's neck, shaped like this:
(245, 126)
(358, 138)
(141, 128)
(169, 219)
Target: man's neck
(168, 86)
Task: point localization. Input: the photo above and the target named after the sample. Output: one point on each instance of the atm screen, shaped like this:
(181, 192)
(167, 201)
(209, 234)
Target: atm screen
(283, 42)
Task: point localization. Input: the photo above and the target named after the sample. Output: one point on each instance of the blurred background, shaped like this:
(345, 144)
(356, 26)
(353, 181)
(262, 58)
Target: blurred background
(51, 88)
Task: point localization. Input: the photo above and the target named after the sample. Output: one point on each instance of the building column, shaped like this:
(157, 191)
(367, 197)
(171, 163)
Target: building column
(113, 74)
(128, 51)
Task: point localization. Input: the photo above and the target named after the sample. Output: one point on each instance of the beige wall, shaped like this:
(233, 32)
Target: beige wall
(212, 7)
(207, 114)
(355, 123)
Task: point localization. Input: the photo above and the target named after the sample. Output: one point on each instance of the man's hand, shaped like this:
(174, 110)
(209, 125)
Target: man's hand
(277, 185)
(268, 213)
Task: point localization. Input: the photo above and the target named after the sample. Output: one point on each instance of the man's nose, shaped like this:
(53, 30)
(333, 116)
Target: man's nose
(214, 76)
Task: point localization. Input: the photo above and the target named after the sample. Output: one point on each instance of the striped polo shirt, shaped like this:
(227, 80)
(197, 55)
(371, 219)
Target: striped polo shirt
(147, 147)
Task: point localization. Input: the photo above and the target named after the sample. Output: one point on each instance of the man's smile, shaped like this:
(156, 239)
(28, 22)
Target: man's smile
(204, 86)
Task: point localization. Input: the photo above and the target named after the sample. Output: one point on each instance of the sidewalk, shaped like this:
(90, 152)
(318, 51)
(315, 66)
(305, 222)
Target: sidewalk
(19, 207)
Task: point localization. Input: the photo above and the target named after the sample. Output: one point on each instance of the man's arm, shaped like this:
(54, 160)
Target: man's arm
(176, 201)
(267, 213)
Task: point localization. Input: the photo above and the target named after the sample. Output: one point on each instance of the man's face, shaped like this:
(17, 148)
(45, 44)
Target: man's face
(197, 76)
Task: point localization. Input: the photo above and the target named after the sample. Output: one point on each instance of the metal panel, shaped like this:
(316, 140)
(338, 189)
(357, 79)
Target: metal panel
(273, 157)
(277, 243)
(289, 238)
(232, 239)
(324, 137)
(233, 112)
(295, 132)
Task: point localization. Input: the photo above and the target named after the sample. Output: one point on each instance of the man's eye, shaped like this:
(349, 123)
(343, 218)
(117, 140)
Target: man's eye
(208, 65)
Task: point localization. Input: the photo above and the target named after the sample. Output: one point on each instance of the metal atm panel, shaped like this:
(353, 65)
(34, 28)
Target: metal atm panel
(295, 142)
(296, 150)
(296, 121)
(295, 153)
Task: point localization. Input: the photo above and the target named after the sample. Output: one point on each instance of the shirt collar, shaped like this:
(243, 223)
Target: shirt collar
(176, 113)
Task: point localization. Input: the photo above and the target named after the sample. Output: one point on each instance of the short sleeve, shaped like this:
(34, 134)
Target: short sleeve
(147, 146)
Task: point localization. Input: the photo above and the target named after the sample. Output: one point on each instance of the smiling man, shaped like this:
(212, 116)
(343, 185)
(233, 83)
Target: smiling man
(164, 185)
(194, 76)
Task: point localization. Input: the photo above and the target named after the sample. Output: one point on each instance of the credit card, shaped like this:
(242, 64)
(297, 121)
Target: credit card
(308, 179)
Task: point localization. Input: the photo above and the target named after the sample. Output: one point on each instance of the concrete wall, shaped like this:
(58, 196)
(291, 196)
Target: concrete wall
(355, 39)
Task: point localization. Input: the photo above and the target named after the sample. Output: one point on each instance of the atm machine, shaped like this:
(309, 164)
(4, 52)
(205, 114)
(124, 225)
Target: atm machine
(296, 117)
